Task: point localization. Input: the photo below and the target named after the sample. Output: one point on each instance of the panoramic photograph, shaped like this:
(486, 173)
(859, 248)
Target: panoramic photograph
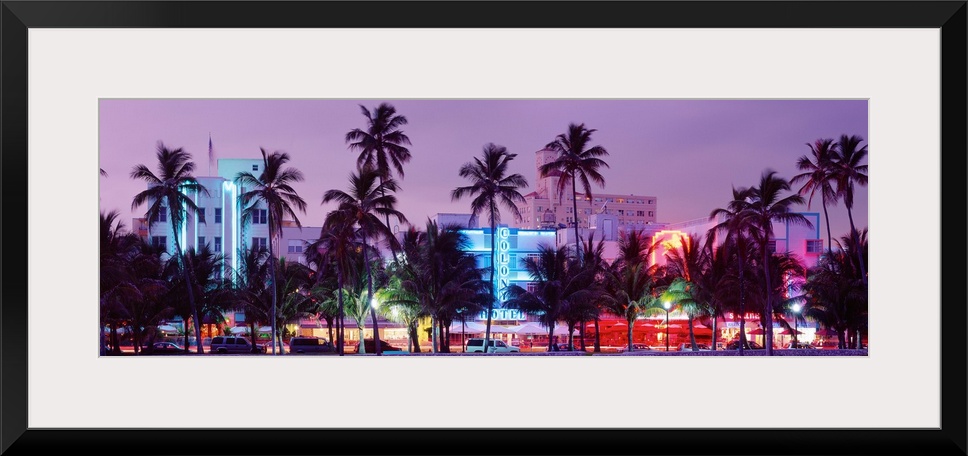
(483, 227)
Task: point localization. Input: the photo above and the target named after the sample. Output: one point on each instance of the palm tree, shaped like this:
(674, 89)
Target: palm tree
(847, 172)
(492, 187)
(273, 188)
(819, 175)
(216, 292)
(736, 229)
(576, 161)
(171, 189)
(338, 245)
(293, 296)
(593, 262)
(558, 282)
(361, 209)
(687, 263)
(836, 296)
(250, 288)
(629, 285)
(764, 206)
(382, 144)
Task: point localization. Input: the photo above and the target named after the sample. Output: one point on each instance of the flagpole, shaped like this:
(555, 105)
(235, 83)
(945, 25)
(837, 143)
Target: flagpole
(210, 153)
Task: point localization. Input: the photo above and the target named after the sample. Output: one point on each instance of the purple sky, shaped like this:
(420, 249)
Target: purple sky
(687, 153)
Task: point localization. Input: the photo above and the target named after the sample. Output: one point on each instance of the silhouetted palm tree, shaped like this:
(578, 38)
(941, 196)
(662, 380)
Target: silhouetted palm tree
(170, 190)
(766, 205)
(819, 176)
(382, 144)
(576, 161)
(492, 187)
(593, 262)
(848, 171)
(736, 229)
(361, 208)
(272, 188)
(338, 244)
(558, 281)
(835, 294)
(688, 261)
(252, 297)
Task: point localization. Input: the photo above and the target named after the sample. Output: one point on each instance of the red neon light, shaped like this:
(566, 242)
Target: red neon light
(675, 241)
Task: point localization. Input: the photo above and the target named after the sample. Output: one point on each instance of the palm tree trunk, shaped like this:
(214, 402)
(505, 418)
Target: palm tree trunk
(630, 344)
(742, 302)
(692, 335)
(414, 337)
(598, 337)
(551, 338)
(830, 243)
(361, 348)
(571, 337)
(253, 335)
(768, 311)
(581, 334)
(369, 296)
(574, 209)
(188, 283)
(490, 302)
(433, 334)
(272, 274)
(715, 333)
(340, 334)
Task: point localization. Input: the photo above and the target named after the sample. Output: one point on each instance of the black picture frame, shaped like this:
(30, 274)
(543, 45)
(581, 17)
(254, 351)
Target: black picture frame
(17, 17)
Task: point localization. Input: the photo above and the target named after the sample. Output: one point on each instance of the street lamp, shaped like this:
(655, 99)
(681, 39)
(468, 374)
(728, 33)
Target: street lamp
(667, 305)
(796, 313)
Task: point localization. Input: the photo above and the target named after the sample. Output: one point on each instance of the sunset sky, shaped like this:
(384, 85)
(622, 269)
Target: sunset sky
(687, 153)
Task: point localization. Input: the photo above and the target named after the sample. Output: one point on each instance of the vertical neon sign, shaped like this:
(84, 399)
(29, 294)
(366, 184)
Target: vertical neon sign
(503, 258)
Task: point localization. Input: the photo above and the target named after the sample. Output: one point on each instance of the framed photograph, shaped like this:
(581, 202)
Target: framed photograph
(64, 64)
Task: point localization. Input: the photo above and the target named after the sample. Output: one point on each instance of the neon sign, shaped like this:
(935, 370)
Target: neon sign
(502, 314)
(503, 258)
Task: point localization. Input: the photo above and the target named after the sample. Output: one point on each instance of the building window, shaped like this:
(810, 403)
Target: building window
(218, 244)
(201, 215)
(201, 241)
(260, 217)
(814, 245)
(296, 246)
(640, 213)
(161, 216)
(532, 287)
(651, 214)
(621, 212)
(159, 241)
(260, 242)
(255, 167)
(218, 215)
(771, 246)
(650, 201)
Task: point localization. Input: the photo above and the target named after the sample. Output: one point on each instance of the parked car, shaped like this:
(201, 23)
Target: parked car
(494, 346)
(369, 346)
(564, 347)
(230, 344)
(163, 348)
(800, 345)
(734, 345)
(309, 345)
(637, 347)
(688, 347)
